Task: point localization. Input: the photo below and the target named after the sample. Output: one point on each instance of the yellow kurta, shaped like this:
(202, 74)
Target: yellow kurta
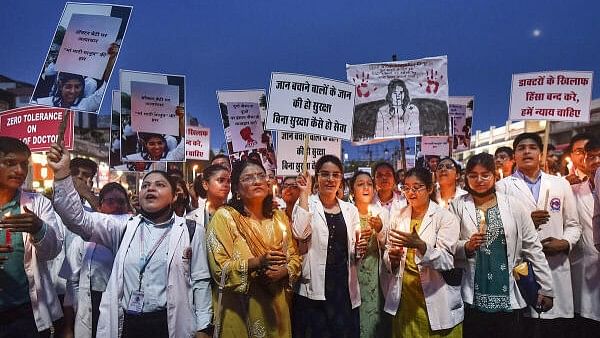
(249, 307)
(411, 319)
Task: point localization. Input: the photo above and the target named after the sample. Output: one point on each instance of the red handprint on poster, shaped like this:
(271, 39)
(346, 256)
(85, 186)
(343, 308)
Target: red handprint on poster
(363, 87)
(433, 83)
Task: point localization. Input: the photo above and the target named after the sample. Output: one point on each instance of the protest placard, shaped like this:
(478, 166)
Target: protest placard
(81, 56)
(264, 150)
(309, 104)
(158, 99)
(461, 121)
(153, 108)
(245, 125)
(435, 145)
(197, 141)
(290, 151)
(37, 127)
(399, 99)
(84, 50)
(552, 96)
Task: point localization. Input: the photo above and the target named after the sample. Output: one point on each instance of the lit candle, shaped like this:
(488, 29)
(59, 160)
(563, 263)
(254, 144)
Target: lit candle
(482, 222)
(369, 211)
(569, 164)
(7, 234)
(444, 204)
(274, 187)
(284, 235)
(194, 168)
(546, 199)
(501, 173)
(357, 235)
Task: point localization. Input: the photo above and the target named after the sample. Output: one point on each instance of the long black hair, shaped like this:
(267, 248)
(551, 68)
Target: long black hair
(236, 202)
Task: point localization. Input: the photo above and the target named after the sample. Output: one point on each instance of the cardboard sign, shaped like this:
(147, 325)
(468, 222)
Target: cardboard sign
(309, 104)
(551, 96)
(153, 108)
(36, 126)
(197, 141)
(245, 125)
(290, 151)
(435, 145)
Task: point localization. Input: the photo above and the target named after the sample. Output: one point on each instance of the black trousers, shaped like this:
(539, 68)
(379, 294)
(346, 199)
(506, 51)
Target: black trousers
(18, 322)
(153, 324)
(479, 324)
(96, 298)
(585, 327)
(555, 328)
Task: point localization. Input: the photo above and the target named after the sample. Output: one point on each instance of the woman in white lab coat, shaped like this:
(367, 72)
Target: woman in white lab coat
(151, 290)
(328, 295)
(419, 249)
(496, 234)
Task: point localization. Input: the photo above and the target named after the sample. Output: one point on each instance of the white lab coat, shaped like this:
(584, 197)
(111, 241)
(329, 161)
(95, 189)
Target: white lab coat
(521, 243)
(44, 301)
(439, 230)
(585, 259)
(117, 232)
(563, 224)
(312, 226)
(446, 204)
(80, 255)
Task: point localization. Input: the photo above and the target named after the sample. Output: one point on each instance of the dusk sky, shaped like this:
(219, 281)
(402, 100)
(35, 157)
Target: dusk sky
(237, 44)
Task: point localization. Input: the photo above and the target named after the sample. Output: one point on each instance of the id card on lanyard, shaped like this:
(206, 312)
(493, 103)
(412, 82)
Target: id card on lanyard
(136, 301)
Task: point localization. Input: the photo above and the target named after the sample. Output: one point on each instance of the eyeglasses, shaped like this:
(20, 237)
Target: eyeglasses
(414, 188)
(447, 166)
(259, 177)
(483, 177)
(327, 175)
(290, 186)
(578, 151)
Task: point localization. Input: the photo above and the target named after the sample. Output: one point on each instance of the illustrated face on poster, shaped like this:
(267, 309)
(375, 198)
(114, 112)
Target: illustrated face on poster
(151, 91)
(245, 125)
(153, 108)
(81, 56)
(461, 121)
(399, 99)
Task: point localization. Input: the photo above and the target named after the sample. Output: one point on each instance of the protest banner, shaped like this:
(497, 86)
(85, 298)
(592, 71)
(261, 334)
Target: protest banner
(159, 100)
(37, 127)
(263, 150)
(81, 56)
(435, 145)
(551, 96)
(461, 121)
(245, 125)
(85, 45)
(290, 151)
(309, 104)
(197, 141)
(153, 108)
(399, 99)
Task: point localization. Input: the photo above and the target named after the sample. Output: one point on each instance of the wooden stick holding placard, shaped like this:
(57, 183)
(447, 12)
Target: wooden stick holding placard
(305, 165)
(63, 127)
(545, 146)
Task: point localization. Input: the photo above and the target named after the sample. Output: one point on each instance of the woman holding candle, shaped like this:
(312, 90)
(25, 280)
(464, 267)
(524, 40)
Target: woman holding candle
(496, 234)
(374, 323)
(252, 258)
(425, 301)
(328, 295)
(159, 285)
(447, 173)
